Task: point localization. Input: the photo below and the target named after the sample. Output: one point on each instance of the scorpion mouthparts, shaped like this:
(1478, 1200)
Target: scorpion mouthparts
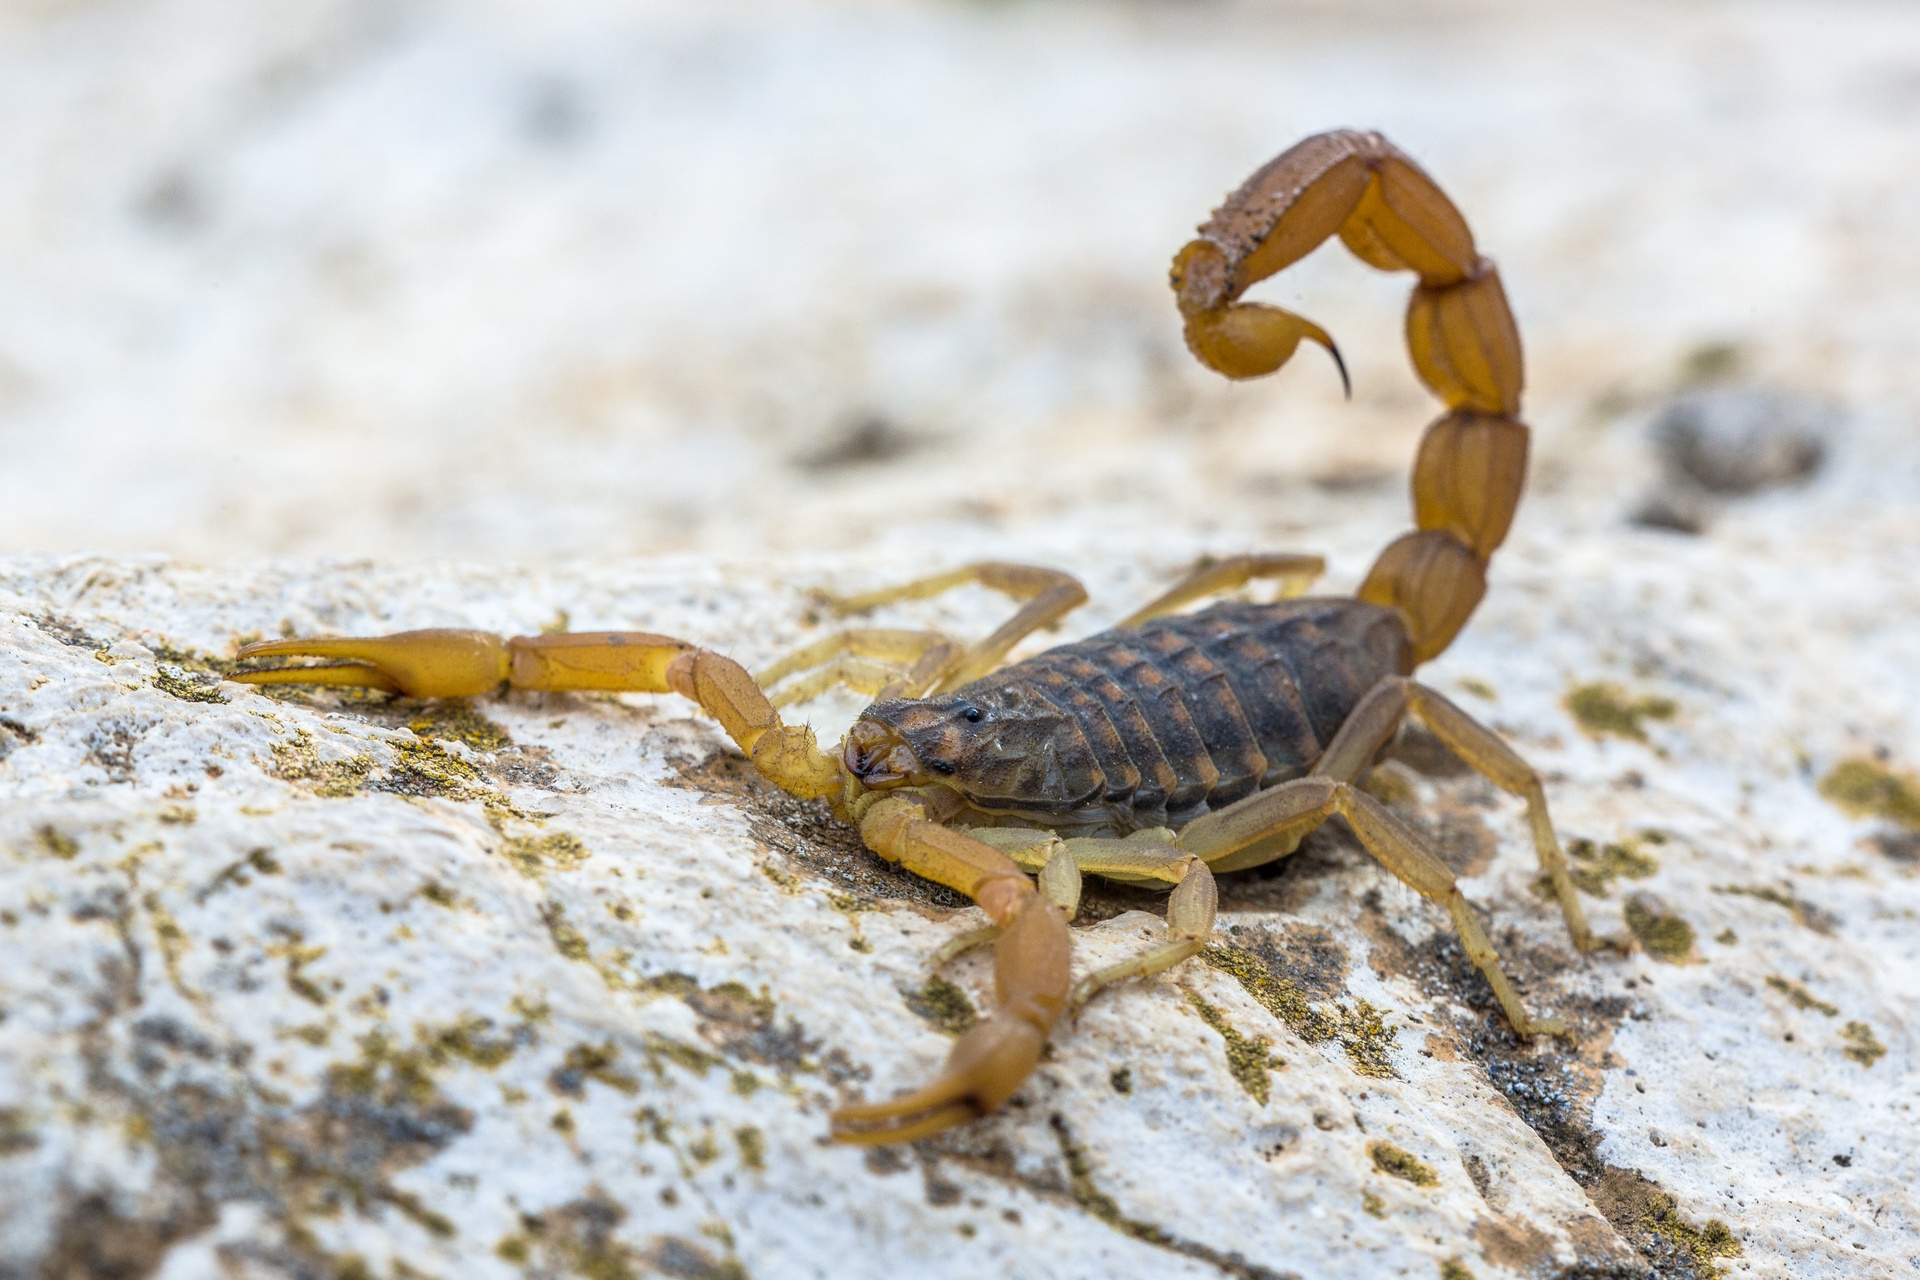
(878, 758)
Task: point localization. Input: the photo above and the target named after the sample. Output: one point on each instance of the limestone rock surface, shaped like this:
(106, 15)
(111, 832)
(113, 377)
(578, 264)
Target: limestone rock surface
(541, 984)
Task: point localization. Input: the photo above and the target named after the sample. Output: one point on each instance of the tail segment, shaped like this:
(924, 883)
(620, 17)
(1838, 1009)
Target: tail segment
(1460, 333)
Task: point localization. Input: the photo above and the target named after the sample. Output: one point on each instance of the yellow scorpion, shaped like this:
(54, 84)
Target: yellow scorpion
(1173, 747)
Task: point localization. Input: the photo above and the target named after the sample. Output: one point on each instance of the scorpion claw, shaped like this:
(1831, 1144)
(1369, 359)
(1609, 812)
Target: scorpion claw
(439, 663)
(987, 1064)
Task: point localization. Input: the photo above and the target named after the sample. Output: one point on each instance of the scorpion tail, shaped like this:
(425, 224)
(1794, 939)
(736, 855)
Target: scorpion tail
(1460, 333)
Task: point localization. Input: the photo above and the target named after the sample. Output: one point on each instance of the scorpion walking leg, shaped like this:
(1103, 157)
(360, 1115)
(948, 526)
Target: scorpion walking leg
(446, 664)
(1373, 723)
(1211, 578)
(1146, 857)
(1298, 806)
(877, 662)
(1031, 973)
(1047, 595)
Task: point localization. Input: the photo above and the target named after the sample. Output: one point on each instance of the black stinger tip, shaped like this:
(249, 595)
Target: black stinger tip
(1346, 384)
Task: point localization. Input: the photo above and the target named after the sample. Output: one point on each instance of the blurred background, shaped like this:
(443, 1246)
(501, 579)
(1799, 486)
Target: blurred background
(531, 282)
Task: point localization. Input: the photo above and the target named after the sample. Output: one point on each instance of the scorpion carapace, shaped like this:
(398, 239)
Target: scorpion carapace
(1167, 749)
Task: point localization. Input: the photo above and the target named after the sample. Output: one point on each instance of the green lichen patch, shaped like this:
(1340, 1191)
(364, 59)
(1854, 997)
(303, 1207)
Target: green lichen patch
(1804, 913)
(56, 843)
(753, 1147)
(293, 949)
(590, 1062)
(1602, 708)
(298, 761)
(1868, 789)
(567, 940)
(16, 1134)
(455, 720)
(1704, 1244)
(1279, 995)
(240, 873)
(469, 1038)
(662, 1050)
(1862, 1045)
(1662, 932)
(427, 769)
(1373, 1204)
(943, 1004)
(1397, 1162)
(533, 855)
(1362, 1032)
(192, 660)
(178, 684)
(1594, 868)
(1454, 1269)
(1366, 1037)
(1800, 997)
(1088, 1195)
(579, 1239)
(1248, 1060)
(1121, 1079)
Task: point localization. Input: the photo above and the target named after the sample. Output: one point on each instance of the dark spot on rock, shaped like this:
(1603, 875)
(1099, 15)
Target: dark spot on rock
(866, 441)
(1740, 440)
(808, 837)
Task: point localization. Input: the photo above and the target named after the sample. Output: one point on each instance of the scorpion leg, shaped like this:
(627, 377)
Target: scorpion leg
(1145, 857)
(1372, 725)
(1190, 913)
(1031, 975)
(1213, 577)
(1047, 595)
(877, 662)
(449, 664)
(1294, 808)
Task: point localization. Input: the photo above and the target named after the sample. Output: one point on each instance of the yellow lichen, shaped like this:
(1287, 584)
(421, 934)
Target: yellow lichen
(1868, 789)
(177, 684)
(1665, 936)
(943, 1004)
(455, 719)
(1800, 996)
(1703, 1243)
(1603, 708)
(567, 940)
(753, 1147)
(299, 762)
(531, 855)
(1862, 1045)
(1363, 1033)
(1248, 1060)
(595, 1062)
(1366, 1037)
(1593, 868)
(1398, 1163)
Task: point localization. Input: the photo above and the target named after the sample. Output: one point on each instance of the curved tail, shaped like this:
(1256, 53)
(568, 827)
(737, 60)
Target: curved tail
(1460, 333)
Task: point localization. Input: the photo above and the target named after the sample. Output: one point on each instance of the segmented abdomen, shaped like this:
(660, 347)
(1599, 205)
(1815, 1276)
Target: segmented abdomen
(1161, 722)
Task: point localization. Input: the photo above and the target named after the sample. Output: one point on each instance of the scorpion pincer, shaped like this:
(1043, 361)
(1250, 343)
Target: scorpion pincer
(1175, 746)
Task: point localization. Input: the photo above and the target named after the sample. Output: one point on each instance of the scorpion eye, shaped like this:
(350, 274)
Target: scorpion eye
(941, 766)
(973, 715)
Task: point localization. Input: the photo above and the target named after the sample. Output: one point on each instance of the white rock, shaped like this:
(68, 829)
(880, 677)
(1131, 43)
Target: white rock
(289, 983)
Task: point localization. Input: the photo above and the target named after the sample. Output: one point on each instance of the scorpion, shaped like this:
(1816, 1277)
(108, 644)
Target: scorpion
(1177, 745)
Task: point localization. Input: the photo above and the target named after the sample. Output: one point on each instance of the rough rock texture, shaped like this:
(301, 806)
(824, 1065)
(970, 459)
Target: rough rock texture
(309, 984)
(837, 292)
